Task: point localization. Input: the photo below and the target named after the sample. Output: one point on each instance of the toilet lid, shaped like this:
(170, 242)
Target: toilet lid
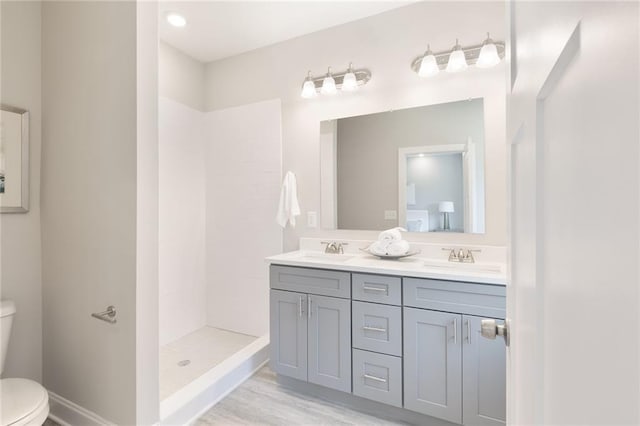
(19, 398)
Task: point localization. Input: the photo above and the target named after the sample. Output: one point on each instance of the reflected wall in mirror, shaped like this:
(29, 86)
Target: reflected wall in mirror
(420, 168)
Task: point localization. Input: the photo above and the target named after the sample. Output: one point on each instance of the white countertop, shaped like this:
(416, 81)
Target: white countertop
(419, 267)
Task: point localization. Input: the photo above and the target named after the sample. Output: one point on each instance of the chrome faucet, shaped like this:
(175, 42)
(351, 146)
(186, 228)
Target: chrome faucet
(461, 256)
(334, 247)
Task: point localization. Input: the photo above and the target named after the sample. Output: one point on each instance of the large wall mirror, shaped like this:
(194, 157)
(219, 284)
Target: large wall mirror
(420, 168)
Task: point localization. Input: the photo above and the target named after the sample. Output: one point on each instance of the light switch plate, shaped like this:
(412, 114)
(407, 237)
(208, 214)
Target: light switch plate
(312, 219)
(391, 214)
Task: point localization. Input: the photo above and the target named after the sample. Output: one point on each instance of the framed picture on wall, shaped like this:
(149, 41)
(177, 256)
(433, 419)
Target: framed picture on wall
(14, 160)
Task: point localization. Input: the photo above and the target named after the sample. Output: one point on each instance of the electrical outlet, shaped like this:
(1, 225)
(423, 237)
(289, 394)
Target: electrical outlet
(312, 219)
(390, 215)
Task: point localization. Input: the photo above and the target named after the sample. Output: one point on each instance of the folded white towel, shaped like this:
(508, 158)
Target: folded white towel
(289, 207)
(379, 247)
(392, 234)
(398, 248)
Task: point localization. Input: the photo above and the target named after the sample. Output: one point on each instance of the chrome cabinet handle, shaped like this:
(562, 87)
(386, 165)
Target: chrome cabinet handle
(107, 316)
(377, 379)
(309, 306)
(468, 331)
(381, 330)
(367, 288)
(455, 330)
(300, 307)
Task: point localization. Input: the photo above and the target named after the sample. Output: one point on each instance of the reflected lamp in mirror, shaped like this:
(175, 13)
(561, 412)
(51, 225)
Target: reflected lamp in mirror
(446, 207)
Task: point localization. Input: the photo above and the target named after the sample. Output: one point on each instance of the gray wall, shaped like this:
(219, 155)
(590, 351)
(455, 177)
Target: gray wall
(89, 179)
(368, 155)
(20, 277)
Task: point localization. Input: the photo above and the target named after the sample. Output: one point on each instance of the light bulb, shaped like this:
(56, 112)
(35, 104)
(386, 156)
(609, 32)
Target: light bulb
(328, 84)
(309, 87)
(349, 81)
(488, 54)
(428, 65)
(457, 61)
(176, 19)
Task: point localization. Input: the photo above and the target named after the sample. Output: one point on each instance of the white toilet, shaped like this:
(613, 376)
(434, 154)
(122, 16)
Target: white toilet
(22, 401)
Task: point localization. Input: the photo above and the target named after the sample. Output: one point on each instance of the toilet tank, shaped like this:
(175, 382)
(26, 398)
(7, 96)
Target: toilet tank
(7, 310)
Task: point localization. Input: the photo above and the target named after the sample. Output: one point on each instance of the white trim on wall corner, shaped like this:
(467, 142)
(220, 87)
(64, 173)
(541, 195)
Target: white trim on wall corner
(68, 413)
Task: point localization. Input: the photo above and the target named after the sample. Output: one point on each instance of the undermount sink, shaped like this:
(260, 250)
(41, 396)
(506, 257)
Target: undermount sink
(319, 256)
(467, 267)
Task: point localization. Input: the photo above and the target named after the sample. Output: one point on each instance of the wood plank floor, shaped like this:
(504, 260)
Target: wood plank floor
(261, 401)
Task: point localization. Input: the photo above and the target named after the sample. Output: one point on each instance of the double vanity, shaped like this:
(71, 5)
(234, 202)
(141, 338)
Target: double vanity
(406, 334)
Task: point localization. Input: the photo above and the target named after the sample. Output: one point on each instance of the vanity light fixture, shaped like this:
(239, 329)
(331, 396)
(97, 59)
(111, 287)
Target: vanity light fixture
(176, 19)
(485, 55)
(488, 56)
(349, 82)
(308, 88)
(330, 83)
(457, 61)
(428, 64)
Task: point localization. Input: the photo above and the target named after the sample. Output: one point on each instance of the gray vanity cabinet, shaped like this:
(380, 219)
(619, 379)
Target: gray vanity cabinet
(433, 363)
(407, 342)
(288, 325)
(484, 379)
(310, 331)
(329, 342)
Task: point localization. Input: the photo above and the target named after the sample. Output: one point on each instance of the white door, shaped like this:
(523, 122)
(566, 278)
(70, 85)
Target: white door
(573, 299)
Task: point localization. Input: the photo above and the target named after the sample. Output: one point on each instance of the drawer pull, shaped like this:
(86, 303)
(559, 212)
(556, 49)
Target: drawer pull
(377, 379)
(380, 290)
(380, 330)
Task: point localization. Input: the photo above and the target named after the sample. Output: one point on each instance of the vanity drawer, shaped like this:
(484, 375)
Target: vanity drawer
(376, 327)
(377, 377)
(377, 288)
(452, 296)
(312, 281)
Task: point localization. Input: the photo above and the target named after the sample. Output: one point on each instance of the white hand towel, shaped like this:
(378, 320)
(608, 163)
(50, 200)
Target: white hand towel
(398, 248)
(379, 247)
(289, 207)
(392, 234)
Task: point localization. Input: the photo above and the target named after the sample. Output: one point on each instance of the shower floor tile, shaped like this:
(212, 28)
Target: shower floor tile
(204, 349)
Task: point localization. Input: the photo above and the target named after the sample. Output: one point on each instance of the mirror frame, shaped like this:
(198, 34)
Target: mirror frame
(24, 164)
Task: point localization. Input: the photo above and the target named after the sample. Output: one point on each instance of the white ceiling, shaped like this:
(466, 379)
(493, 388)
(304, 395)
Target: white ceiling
(219, 29)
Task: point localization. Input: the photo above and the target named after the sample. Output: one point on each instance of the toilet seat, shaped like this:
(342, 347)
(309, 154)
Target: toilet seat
(24, 402)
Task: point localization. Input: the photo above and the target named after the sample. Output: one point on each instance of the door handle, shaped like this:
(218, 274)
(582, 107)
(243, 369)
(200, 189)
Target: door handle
(107, 316)
(490, 329)
(309, 306)
(455, 330)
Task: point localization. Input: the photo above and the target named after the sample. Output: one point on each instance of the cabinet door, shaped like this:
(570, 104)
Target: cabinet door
(484, 382)
(433, 363)
(330, 342)
(288, 324)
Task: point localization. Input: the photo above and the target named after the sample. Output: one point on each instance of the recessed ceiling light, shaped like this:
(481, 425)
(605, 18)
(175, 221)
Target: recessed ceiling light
(176, 19)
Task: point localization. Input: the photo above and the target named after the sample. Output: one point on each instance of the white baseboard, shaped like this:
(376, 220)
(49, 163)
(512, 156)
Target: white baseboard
(68, 413)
